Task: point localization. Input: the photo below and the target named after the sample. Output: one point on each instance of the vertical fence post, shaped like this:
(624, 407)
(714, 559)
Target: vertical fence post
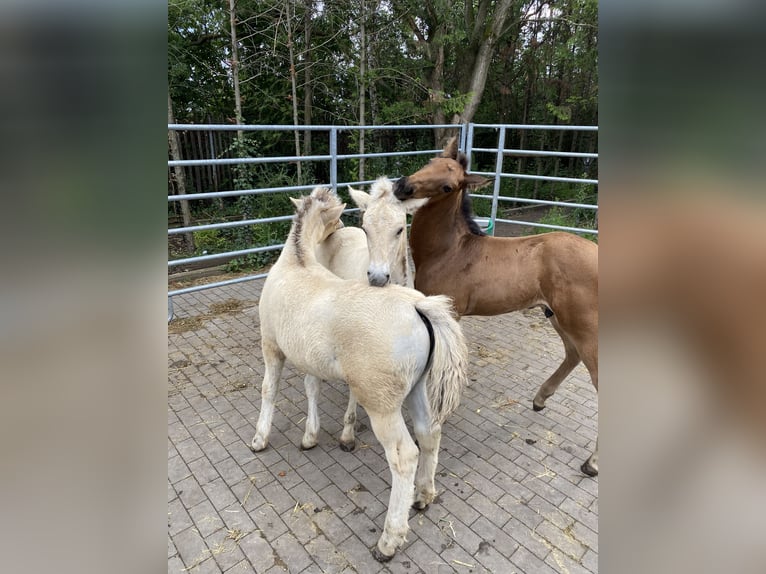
(334, 158)
(468, 131)
(498, 171)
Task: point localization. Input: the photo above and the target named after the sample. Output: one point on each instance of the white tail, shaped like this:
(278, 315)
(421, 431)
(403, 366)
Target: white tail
(448, 374)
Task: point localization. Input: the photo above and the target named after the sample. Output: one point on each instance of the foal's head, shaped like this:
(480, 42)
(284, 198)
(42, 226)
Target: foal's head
(316, 216)
(441, 177)
(384, 221)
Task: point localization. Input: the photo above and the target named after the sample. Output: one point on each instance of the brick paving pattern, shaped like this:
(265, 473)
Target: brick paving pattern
(511, 495)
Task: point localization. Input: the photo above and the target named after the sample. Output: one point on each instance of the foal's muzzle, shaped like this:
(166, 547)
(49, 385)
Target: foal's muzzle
(402, 189)
(378, 278)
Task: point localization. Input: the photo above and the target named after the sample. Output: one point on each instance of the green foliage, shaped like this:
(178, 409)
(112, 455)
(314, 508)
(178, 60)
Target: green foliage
(544, 71)
(572, 216)
(210, 241)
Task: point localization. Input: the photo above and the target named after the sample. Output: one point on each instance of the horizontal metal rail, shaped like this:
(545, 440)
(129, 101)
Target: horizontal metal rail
(538, 201)
(539, 177)
(286, 128)
(547, 226)
(228, 224)
(263, 190)
(247, 160)
(217, 284)
(292, 158)
(537, 152)
(214, 256)
(537, 127)
(236, 193)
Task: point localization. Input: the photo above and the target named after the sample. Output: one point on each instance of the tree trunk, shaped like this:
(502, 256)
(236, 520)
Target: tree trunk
(293, 86)
(362, 71)
(179, 177)
(482, 48)
(235, 69)
(437, 89)
(308, 92)
(372, 62)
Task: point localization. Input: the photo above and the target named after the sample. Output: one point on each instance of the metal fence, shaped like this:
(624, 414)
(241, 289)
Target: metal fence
(468, 135)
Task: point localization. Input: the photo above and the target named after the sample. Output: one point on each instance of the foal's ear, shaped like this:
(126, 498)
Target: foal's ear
(361, 198)
(297, 202)
(332, 213)
(450, 150)
(473, 181)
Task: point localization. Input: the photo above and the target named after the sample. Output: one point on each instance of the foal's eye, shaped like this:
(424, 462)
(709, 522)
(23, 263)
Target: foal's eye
(399, 231)
(447, 188)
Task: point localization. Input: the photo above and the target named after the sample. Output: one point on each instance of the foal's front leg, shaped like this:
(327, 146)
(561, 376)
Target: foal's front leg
(347, 438)
(402, 456)
(273, 360)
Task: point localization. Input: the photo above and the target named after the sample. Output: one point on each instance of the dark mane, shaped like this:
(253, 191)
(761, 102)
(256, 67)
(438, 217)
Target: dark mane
(297, 230)
(467, 211)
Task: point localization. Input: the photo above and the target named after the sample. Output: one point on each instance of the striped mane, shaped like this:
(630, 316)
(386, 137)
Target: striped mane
(307, 207)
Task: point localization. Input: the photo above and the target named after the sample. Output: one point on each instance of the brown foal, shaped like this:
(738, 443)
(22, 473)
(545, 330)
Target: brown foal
(487, 275)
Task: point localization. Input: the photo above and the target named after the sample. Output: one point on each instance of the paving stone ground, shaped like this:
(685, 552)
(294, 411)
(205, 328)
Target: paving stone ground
(512, 497)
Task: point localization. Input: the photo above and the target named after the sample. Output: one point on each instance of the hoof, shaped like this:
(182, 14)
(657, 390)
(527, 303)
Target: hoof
(258, 444)
(536, 408)
(588, 469)
(379, 556)
(419, 505)
(304, 447)
(347, 446)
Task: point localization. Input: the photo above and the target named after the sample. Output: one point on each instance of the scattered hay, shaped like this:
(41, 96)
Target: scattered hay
(185, 324)
(482, 352)
(505, 403)
(235, 534)
(448, 525)
(551, 437)
(229, 306)
(177, 326)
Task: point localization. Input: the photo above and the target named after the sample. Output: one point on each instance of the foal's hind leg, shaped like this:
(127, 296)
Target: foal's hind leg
(312, 418)
(402, 456)
(347, 438)
(274, 360)
(590, 358)
(588, 353)
(428, 433)
(571, 360)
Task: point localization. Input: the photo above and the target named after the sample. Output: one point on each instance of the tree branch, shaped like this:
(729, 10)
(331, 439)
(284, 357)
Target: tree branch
(206, 38)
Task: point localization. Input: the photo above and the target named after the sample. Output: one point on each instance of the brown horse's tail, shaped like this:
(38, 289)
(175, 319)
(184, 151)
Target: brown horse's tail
(449, 361)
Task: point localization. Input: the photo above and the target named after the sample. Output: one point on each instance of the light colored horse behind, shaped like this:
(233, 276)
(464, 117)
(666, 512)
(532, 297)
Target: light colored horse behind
(355, 253)
(345, 253)
(384, 222)
(391, 346)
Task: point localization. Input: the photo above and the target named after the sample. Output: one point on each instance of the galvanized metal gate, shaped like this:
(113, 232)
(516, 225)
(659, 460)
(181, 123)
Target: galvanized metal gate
(468, 134)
